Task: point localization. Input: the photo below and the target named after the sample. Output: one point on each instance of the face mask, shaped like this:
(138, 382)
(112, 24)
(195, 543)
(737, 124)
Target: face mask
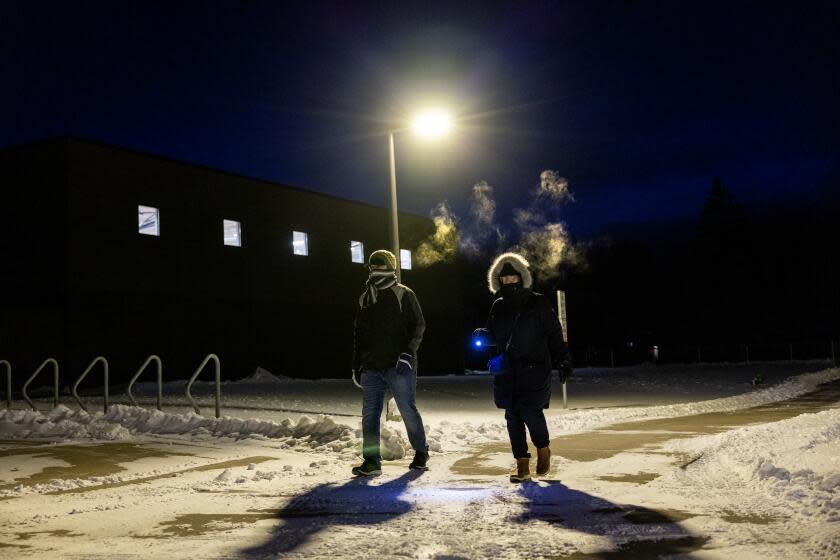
(510, 290)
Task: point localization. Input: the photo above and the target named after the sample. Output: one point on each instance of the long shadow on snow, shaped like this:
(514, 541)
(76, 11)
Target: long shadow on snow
(356, 502)
(637, 532)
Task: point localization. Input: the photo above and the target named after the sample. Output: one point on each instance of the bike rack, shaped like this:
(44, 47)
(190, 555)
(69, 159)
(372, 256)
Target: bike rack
(215, 359)
(8, 383)
(104, 362)
(34, 375)
(149, 360)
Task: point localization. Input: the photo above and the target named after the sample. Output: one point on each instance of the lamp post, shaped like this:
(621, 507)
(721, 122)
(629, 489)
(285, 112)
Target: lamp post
(431, 124)
(392, 205)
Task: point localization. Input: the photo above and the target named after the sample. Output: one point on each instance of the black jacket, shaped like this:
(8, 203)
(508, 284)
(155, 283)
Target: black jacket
(392, 326)
(536, 342)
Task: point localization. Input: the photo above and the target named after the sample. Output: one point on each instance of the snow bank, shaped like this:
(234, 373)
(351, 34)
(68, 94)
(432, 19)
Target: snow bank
(322, 433)
(590, 419)
(123, 422)
(453, 435)
(785, 459)
(260, 380)
(788, 469)
(259, 377)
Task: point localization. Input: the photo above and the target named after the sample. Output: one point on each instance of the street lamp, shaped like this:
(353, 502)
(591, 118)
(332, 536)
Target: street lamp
(431, 124)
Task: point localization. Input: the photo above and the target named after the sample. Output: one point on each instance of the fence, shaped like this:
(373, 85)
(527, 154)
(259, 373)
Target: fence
(606, 356)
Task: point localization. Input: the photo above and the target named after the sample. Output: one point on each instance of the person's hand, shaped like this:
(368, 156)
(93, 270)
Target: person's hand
(405, 363)
(565, 372)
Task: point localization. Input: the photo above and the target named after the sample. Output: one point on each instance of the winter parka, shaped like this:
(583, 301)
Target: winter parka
(392, 326)
(536, 340)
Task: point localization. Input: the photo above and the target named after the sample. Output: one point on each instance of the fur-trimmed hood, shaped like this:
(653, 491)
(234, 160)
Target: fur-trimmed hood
(517, 261)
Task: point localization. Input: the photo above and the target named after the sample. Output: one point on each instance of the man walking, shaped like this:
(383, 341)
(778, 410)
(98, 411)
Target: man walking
(387, 334)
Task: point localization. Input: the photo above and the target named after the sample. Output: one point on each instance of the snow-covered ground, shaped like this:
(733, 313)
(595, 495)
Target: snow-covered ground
(689, 461)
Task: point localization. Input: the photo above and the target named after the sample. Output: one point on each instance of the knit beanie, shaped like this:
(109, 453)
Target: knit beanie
(383, 257)
(509, 270)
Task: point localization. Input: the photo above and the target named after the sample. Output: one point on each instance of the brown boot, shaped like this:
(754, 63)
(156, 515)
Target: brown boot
(543, 460)
(523, 470)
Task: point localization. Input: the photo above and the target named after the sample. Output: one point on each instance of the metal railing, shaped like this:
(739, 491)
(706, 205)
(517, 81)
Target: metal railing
(8, 383)
(34, 375)
(149, 360)
(619, 355)
(218, 368)
(748, 353)
(96, 360)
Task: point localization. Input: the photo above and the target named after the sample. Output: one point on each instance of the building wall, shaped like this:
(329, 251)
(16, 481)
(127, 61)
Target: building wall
(184, 294)
(32, 258)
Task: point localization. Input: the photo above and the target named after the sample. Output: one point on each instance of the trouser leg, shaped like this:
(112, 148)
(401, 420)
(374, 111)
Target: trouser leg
(516, 432)
(373, 394)
(534, 418)
(404, 387)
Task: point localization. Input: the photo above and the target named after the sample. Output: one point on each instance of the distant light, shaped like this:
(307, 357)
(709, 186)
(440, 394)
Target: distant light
(432, 124)
(480, 339)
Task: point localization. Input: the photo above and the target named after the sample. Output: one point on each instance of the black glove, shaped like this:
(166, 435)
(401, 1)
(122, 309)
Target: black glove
(565, 372)
(356, 372)
(405, 363)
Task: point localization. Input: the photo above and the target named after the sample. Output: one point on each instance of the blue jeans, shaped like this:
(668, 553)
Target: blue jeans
(517, 418)
(375, 383)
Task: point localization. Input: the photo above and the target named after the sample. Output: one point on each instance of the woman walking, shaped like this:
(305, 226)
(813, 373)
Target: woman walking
(528, 339)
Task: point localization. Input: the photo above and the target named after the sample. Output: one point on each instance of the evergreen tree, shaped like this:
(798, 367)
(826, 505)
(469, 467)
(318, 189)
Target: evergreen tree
(721, 275)
(723, 219)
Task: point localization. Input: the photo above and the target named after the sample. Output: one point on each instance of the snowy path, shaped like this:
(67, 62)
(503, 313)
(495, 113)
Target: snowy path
(400, 514)
(733, 477)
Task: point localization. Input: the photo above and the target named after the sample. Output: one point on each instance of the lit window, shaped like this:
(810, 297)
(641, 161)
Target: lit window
(300, 243)
(148, 220)
(405, 259)
(233, 233)
(357, 251)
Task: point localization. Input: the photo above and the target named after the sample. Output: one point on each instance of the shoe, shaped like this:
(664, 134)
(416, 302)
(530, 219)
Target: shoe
(419, 462)
(523, 470)
(371, 467)
(543, 460)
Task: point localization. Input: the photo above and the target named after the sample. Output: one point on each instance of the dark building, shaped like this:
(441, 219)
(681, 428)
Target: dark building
(83, 273)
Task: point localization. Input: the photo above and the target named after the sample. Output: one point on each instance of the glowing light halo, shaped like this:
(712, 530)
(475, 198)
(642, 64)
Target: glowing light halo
(432, 124)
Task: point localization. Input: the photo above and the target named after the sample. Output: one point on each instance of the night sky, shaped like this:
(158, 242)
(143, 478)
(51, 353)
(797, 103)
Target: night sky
(639, 104)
